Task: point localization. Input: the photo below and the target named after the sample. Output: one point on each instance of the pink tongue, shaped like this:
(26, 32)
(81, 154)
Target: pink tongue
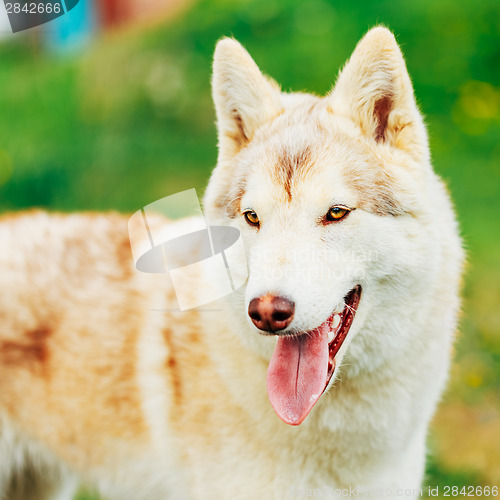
(297, 372)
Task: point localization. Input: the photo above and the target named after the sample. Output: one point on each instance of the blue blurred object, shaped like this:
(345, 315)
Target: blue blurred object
(74, 30)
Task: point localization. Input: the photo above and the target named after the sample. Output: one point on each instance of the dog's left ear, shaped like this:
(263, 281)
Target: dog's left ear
(375, 91)
(244, 98)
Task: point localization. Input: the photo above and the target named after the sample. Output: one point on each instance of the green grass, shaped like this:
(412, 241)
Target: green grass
(86, 495)
(130, 121)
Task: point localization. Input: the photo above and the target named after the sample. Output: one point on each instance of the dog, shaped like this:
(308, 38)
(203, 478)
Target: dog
(319, 375)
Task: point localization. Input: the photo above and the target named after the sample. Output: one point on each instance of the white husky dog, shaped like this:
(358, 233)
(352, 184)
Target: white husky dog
(347, 317)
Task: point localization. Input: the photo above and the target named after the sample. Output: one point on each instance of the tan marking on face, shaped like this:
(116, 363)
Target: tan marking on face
(289, 164)
(233, 209)
(375, 188)
(230, 202)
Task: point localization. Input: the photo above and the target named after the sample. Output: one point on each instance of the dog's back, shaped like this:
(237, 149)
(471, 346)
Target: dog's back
(72, 312)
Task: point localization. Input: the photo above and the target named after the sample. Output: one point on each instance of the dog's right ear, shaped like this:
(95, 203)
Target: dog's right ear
(244, 98)
(375, 91)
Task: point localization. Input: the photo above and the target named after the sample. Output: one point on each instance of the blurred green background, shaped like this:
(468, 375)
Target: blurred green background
(129, 120)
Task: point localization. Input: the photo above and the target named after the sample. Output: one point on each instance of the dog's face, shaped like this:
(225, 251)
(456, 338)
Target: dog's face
(320, 190)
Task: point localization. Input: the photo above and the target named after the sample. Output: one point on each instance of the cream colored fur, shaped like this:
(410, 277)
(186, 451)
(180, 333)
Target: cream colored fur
(103, 380)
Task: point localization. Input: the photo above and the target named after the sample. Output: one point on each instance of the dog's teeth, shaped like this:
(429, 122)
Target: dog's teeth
(336, 320)
(331, 335)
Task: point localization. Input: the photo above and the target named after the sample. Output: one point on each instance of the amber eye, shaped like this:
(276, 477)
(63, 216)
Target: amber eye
(336, 214)
(252, 218)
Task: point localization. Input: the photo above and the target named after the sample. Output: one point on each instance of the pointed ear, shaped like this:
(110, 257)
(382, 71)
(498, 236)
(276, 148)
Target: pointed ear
(244, 98)
(375, 91)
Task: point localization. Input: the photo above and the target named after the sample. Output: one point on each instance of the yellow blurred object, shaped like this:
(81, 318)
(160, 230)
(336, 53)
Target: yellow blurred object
(477, 106)
(467, 439)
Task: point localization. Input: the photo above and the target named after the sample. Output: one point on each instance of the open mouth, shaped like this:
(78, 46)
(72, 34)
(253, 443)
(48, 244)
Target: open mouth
(302, 366)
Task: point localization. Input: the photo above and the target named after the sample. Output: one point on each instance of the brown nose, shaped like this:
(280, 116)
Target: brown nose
(271, 313)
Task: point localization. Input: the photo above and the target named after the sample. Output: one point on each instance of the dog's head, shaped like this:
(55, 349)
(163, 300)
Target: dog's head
(329, 195)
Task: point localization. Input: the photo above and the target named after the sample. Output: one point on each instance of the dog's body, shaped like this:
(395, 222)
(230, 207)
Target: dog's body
(102, 379)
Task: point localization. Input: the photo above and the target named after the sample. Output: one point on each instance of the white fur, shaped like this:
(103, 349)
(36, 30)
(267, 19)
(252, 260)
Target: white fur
(212, 432)
(394, 362)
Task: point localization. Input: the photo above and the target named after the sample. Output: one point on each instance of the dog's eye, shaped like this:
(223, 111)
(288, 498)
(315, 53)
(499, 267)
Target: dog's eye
(252, 218)
(336, 214)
